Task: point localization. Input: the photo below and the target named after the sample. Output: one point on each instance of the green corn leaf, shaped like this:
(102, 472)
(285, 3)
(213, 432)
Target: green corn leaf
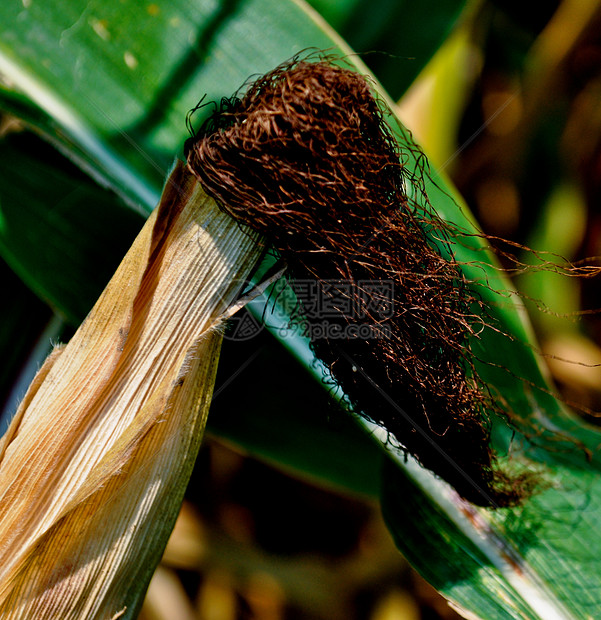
(69, 260)
(110, 84)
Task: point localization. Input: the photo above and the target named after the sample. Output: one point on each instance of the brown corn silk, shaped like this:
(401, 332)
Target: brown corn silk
(305, 157)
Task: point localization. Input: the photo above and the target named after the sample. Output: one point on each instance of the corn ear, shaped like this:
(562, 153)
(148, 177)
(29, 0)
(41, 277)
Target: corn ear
(95, 463)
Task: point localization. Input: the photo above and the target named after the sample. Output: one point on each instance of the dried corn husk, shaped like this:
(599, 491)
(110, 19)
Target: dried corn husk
(94, 466)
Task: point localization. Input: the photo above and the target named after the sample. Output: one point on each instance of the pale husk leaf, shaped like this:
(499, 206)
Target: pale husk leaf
(95, 463)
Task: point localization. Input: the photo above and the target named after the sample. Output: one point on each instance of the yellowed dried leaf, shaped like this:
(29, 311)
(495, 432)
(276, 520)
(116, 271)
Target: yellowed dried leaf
(95, 463)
